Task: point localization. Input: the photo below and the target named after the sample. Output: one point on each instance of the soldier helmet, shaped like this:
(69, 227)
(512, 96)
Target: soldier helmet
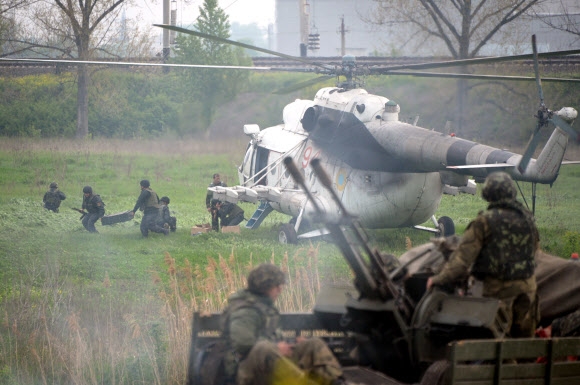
(145, 183)
(54, 185)
(87, 190)
(165, 199)
(264, 277)
(499, 186)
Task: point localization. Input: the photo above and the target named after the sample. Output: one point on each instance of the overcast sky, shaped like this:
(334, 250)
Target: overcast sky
(241, 11)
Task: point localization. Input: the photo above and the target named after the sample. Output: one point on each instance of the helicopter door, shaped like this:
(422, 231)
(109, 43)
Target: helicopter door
(260, 165)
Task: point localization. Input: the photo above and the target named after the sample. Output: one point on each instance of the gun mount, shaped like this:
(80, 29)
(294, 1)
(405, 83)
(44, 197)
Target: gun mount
(400, 328)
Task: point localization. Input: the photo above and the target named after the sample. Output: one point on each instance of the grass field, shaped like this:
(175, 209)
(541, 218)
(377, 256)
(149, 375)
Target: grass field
(114, 308)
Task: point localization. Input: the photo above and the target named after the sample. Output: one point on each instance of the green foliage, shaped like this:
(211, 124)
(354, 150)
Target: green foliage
(37, 106)
(572, 242)
(132, 105)
(211, 86)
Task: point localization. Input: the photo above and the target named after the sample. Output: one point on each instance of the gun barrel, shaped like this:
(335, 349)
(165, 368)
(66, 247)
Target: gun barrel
(376, 278)
(364, 281)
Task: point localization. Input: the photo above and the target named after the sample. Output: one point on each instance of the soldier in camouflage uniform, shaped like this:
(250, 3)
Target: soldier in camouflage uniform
(565, 326)
(148, 202)
(498, 248)
(53, 197)
(165, 219)
(257, 354)
(210, 203)
(230, 214)
(95, 209)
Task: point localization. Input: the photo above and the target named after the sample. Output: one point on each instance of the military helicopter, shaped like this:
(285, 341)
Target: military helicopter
(387, 172)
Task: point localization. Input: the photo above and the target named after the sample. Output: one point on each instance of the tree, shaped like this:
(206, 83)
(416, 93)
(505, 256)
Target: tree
(462, 27)
(562, 16)
(8, 23)
(69, 29)
(211, 87)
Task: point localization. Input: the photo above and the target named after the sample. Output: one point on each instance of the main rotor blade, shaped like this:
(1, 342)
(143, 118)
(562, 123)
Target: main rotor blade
(463, 62)
(558, 121)
(532, 144)
(141, 64)
(537, 71)
(304, 84)
(473, 76)
(243, 45)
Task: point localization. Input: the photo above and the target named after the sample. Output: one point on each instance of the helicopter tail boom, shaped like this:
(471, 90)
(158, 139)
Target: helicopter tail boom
(545, 169)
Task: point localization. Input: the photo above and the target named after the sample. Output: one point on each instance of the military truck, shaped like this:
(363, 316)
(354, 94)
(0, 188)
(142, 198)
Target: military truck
(387, 329)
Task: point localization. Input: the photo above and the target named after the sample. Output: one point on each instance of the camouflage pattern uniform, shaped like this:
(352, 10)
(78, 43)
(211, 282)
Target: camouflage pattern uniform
(210, 202)
(53, 197)
(250, 327)
(498, 248)
(95, 208)
(165, 219)
(148, 202)
(230, 214)
(567, 326)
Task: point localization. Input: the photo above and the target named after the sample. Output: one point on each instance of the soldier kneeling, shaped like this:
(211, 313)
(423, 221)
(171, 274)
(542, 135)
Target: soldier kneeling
(165, 219)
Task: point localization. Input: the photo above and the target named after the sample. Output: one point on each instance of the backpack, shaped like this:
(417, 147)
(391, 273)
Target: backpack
(208, 367)
(52, 199)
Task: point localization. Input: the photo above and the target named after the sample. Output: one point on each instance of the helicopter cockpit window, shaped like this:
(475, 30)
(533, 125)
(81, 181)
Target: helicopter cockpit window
(260, 166)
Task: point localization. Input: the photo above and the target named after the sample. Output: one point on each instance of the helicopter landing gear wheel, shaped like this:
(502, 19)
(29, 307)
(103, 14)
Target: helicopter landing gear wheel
(435, 374)
(287, 234)
(446, 226)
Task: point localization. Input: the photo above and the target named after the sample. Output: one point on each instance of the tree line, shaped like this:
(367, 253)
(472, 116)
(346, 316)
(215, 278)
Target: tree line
(89, 29)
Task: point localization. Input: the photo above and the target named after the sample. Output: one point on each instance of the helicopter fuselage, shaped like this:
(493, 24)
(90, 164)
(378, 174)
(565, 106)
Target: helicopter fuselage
(379, 199)
(387, 173)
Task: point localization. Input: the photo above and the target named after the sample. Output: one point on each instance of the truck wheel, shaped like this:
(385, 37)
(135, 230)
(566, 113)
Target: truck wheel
(435, 373)
(446, 226)
(287, 234)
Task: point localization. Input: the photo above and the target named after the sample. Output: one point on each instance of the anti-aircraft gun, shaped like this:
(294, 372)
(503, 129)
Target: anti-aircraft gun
(400, 329)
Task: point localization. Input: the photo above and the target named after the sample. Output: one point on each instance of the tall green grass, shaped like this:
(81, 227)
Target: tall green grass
(115, 308)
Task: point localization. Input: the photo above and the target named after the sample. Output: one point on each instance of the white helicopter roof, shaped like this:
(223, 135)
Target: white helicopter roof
(338, 99)
(284, 137)
(293, 113)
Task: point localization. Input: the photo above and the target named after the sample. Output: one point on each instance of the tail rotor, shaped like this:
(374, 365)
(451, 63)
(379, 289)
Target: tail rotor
(561, 119)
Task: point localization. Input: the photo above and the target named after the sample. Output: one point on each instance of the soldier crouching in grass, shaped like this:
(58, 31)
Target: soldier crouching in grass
(256, 352)
(230, 214)
(165, 219)
(148, 202)
(95, 209)
(53, 197)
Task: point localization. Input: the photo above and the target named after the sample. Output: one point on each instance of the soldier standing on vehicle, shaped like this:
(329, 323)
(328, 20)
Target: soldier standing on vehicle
(53, 197)
(148, 202)
(498, 248)
(256, 353)
(209, 202)
(95, 209)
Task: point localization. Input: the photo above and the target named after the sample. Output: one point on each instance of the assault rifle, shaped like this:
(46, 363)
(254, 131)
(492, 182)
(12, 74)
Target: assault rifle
(83, 212)
(372, 278)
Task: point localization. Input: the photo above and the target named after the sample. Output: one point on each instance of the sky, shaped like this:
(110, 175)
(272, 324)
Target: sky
(241, 11)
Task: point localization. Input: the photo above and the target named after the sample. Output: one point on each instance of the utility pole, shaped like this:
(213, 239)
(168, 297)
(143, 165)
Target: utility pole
(165, 31)
(342, 32)
(173, 22)
(304, 19)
